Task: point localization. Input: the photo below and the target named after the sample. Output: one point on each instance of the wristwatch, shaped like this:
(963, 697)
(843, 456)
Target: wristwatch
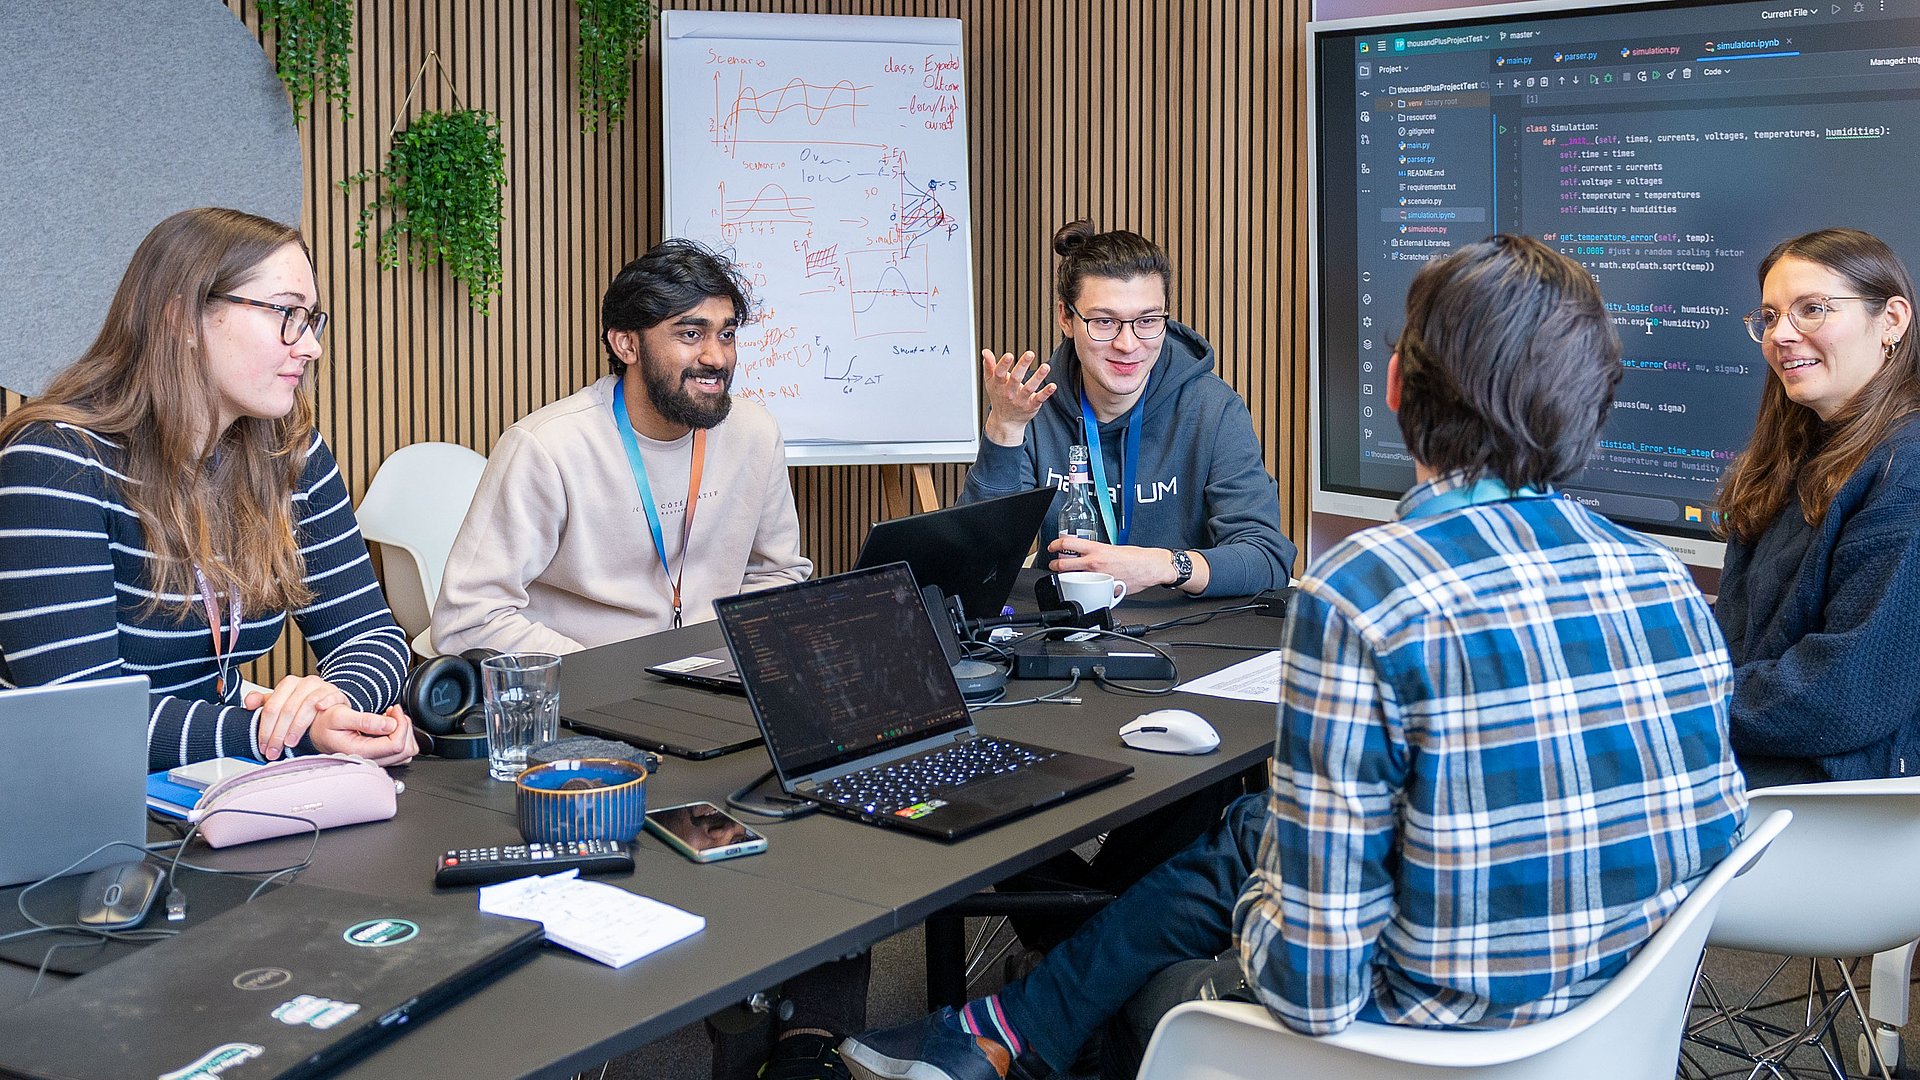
(1182, 568)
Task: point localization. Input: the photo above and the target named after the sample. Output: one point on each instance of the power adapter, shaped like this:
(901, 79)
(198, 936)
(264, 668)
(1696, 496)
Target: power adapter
(1273, 602)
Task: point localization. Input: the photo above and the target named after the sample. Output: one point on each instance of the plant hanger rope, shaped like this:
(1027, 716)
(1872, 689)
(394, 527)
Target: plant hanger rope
(432, 60)
(441, 179)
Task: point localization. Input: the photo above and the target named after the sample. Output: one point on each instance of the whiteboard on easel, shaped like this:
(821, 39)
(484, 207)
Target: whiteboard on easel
(828, 155)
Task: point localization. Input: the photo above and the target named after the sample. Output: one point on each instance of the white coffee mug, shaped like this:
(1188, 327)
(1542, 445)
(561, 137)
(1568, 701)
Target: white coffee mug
(1091, 589)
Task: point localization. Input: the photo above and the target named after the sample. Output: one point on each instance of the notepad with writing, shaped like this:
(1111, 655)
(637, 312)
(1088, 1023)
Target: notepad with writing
(596, 920)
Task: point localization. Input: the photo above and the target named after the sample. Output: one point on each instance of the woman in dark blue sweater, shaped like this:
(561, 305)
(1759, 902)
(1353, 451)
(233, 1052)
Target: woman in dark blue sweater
(1820, 601)
(166, 503)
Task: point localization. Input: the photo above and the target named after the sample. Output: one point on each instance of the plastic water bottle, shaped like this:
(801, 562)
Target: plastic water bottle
(1078, 518)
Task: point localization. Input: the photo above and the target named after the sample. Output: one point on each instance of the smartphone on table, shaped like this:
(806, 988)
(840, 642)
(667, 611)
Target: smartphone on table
(202, 775)
(703, 832)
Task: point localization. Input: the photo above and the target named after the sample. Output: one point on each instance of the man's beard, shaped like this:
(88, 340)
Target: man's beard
(673, 401)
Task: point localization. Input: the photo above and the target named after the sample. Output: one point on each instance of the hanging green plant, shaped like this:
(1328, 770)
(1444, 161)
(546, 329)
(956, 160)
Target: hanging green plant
(443, 179)
(312, 40)
(610, 35)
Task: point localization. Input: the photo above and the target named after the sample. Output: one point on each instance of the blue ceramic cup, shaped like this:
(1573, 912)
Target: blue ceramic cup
(582, 799)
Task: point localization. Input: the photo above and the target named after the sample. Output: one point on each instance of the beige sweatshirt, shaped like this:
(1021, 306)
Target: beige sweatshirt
(555, 554)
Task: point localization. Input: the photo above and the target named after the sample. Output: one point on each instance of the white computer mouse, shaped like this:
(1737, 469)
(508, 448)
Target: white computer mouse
(1170, 731)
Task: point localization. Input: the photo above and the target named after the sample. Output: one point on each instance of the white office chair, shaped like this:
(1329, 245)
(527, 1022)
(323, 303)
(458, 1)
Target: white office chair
(1630, 1030)
(1844, 883)
(413, 510)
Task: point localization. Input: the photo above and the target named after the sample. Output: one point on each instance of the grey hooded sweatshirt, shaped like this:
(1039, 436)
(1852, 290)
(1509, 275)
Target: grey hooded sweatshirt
(1201, 483)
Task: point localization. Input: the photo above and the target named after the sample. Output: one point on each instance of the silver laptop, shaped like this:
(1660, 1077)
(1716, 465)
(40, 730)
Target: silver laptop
(73, 772)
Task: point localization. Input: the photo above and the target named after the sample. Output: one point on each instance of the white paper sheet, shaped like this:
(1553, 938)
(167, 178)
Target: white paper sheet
(610, 925)
(1257, 679)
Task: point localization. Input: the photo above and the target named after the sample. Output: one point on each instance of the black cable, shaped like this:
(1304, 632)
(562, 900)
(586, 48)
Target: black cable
(96, 935)
(1055, 697)
(177, 901)
(1200, 617)
(794, 808)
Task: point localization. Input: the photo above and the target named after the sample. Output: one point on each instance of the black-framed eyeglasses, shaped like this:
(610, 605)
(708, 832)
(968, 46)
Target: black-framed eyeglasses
(1806, 314)
(1104, 328)
(294, 320)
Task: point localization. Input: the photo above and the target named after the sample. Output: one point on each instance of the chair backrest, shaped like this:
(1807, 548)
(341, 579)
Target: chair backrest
(1629, 1030)
(1853, 857)
(413, 510)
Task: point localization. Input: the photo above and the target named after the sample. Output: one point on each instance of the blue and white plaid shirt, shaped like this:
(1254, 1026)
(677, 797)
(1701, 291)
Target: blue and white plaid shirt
(1502, 762)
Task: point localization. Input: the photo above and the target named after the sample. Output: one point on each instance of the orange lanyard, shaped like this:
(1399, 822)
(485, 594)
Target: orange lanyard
(221, 657)
(639, 468)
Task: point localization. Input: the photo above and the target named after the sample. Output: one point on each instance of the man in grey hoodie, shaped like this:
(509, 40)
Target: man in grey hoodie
(1184, 496)
(1186, 500)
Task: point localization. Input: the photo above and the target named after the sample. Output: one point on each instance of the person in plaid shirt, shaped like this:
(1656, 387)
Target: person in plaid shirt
(1502, 757)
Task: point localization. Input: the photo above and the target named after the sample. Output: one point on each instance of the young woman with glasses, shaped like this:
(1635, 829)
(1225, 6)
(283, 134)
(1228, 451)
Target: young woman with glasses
(166, 503)
(1821, 595)
(1184, 495)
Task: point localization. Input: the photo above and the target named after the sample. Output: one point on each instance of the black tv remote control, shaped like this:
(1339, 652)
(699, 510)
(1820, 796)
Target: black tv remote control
(504, 862)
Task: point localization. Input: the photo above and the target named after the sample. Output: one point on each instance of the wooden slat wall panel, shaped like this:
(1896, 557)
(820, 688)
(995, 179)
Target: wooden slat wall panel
(1182, 119)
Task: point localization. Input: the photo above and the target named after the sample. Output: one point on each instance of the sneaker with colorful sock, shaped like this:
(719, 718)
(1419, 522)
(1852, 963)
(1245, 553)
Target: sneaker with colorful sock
(936, 1047)
(806, 1054)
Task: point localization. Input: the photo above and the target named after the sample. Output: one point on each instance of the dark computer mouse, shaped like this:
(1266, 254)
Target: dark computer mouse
(118, 897)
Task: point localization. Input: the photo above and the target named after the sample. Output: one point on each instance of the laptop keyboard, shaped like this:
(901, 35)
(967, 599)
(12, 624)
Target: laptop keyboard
(908, 783)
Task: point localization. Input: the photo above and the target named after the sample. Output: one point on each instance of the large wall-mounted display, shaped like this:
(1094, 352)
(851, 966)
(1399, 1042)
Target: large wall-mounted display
(1667, 147)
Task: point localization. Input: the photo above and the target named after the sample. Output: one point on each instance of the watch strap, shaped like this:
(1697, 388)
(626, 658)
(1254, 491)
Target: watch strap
(1183, 567)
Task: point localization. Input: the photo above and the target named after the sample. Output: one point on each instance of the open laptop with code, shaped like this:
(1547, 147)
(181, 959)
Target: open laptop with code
(861, 713)
(294, 984)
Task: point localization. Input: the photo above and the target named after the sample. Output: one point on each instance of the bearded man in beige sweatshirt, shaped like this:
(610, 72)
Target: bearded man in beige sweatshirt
(581, 534)
(628, 507)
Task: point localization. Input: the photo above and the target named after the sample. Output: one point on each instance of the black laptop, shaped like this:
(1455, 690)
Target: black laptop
(294, 984)
(861, 713)
(972, 551)
(696, 724)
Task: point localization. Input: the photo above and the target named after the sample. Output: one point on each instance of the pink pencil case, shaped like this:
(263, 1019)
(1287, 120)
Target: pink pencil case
(282, 798)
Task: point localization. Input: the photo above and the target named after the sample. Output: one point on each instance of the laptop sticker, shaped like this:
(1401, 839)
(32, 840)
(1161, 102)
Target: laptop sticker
(379, 933)
(216, 1061)
(319, 1013)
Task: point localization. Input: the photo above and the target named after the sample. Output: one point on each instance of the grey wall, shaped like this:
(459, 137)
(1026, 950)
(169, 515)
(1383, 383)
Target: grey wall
(114, 114)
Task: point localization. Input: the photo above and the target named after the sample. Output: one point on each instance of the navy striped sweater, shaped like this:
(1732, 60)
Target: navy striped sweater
(73, 582)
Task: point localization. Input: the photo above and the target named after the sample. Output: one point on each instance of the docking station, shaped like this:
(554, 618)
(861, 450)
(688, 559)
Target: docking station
(1052, 658)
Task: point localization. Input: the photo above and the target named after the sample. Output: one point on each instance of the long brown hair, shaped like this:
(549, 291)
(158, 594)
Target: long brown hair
(145, 383)
(1792, 450)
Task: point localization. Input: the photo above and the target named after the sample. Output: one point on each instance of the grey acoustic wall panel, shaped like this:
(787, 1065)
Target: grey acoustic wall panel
(114, 114)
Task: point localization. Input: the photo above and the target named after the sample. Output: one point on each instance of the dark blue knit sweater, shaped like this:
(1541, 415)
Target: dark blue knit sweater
(1823, 623)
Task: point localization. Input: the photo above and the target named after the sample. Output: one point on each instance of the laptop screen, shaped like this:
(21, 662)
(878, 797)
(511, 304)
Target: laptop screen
(839, 667)
(972, 551)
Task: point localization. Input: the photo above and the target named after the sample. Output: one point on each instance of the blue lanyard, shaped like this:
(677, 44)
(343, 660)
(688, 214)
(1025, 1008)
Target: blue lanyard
(1129, 464)
(639, 468)
(1478, 494)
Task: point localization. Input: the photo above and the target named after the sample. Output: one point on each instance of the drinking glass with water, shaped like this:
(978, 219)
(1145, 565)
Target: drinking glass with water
(522, 696)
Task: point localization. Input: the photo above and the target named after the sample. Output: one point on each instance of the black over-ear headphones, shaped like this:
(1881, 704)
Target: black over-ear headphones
(443, 697)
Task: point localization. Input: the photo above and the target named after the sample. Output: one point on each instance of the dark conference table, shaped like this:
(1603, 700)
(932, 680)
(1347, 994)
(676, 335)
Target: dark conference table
(826, 887)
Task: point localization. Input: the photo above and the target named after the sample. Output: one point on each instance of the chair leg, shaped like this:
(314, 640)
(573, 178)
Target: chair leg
(1871, 1061)
(1776, 1044)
